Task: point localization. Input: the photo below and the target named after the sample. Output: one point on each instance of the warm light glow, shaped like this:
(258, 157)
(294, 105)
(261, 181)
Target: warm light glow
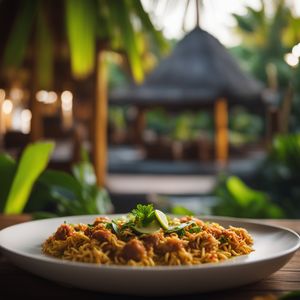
(291, 59)
(52, 97)
(26, 120)
(296, 50)
(46, 97)
(42, 96)
(16, 94)
(66, 101)
(7, 106)
(2, 95)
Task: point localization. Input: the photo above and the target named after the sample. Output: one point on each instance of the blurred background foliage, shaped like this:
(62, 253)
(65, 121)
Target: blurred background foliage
(28, 186)
(88, 26)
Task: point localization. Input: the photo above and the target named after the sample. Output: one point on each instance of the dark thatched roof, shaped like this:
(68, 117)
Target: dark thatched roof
(198, 71)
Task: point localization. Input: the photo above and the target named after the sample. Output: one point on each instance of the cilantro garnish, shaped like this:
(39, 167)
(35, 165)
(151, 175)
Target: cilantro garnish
(195, 229)
(143, 214)
(223, 239)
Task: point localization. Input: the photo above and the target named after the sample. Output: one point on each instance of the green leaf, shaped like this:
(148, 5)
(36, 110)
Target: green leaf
(148, 26)
(242, 193)
(61, 180)
(81, 33)
(33, 161)
(44, 51)
(85, 174)
(120, 13)
(244, 23)
(15, 49)
(8, 168)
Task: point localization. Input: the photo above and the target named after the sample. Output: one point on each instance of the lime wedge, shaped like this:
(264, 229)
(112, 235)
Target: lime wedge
(151, 228)
(162, 219)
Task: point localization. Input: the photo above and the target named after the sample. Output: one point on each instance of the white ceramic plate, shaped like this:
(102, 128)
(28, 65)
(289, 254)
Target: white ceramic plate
(274, 247)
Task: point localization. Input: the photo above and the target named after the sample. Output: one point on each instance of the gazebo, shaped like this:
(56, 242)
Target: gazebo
(199, 73)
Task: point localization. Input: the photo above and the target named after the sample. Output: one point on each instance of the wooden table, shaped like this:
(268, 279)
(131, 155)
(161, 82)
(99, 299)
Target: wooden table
(18, 283)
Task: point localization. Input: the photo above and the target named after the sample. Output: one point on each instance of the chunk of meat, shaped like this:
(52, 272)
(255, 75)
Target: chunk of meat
(134, 250)
(63, 232)
(102, 235)
(185, 219)
(171, 245)
(101, 220)
(152, 240)
(80, 227)
(88, 231)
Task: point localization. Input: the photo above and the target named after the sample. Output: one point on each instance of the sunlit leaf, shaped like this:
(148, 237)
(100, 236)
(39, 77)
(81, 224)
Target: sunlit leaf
(81, 33)
(242, 193)
(121, 16)
(148, 26)
(44, 52)
(15, 49)
(33, 161)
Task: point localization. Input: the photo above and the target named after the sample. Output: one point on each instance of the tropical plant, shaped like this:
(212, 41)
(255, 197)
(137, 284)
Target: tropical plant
(18, 179)
(75, 195)
(27, 186)
(244, 127)
(279, 174)
(236, 199)
(57, 193)
(89, 26)
(266, 38)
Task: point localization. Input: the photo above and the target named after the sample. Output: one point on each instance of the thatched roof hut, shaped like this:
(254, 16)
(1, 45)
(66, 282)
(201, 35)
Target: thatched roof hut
(198, 72)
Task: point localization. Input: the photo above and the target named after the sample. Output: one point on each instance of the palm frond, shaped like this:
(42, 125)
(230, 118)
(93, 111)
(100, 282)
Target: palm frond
(44, 52)
(148, 26)
(121, 15)
(16, 46)
(81, 34)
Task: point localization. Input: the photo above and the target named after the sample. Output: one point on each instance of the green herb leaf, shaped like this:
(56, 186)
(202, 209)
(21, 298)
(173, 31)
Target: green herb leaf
(115, 227)
(195, 229)
(144, 214)
(179, 227)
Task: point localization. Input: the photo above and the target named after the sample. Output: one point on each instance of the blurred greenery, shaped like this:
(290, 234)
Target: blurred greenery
(18, 179)
(267, 36)
(117, 117)
(236, 199)
(28, 187)
(115, 25)
(244, 127)
(70, 194)
(279, 175)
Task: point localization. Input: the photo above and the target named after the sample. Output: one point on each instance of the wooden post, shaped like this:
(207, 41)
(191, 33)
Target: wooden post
(139, 125)
(221, 130)
(100, 120)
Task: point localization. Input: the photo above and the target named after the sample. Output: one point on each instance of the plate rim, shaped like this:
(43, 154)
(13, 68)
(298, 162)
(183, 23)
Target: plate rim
(225, 264)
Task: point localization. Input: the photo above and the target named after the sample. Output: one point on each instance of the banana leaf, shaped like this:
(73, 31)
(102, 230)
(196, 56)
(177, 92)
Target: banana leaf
(81, 34)
(120, 12)
(148, 26)
(15, 49)
(44, 51)
(33, 161)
